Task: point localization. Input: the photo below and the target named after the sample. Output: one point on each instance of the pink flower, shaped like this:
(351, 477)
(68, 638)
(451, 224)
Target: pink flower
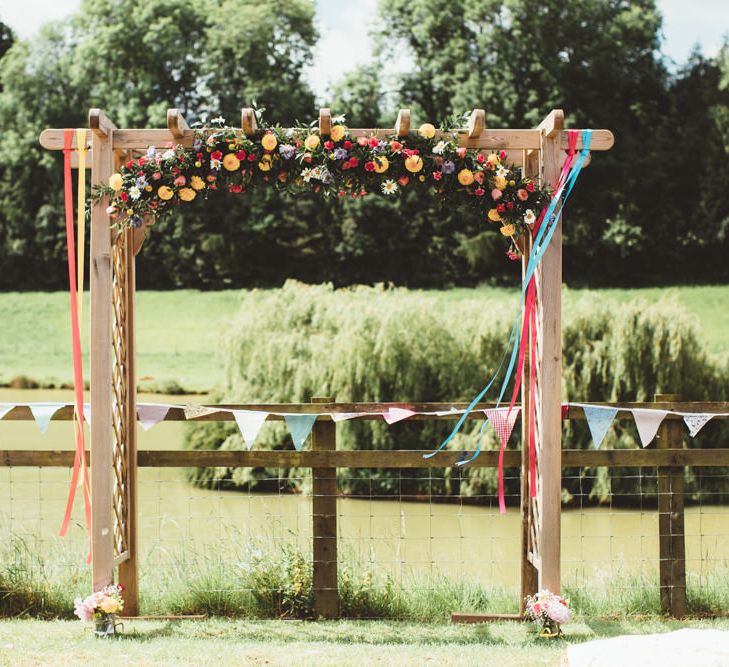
(156, 175)
(461, 152)
(83, 609)
(530, 187)
(502, 155)
(496, 194)
(513, 256)
(180, 180)
(329, 145)
(362, 141)
(480, 157)
(373, 142)
(437, 175)
(522, 194)
(369, 166)
(479, 192)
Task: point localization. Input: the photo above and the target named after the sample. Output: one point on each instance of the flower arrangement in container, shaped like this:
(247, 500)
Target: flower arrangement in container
(102, 608)
(341, 164)
(549, 612)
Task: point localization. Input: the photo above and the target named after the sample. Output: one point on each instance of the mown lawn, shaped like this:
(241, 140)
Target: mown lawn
(179, 332)
(225, 642)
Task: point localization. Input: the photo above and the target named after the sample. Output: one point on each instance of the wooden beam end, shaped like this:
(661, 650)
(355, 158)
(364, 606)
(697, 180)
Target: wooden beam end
(248, 121)
(402, 124)
(99, 123)
(176, 123)
(325, 121)
(476, 123)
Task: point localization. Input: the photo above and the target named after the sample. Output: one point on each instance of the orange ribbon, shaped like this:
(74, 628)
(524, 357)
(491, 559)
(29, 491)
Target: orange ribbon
(79, 462)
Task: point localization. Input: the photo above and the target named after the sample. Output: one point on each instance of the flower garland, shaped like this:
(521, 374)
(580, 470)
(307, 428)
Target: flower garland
(301, 160)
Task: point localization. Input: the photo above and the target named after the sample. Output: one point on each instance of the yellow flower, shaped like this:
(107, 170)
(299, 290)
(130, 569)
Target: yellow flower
(421, 178)
(116, 182)
(269, 141)
(414, 163)
(493, 215)
(265, 163)
(381, 164)
(231, 162)
(500, 182)
(197, 182)
(512, 183)
(465, 177)
(508, 230)
(187, 194)
(493, 159)
(165, 193)
(312, 141)
(148, 188)
(337, 133)
(427, 130)
(108, 605)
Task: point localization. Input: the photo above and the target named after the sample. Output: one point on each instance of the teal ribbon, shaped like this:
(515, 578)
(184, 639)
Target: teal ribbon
(539, 247)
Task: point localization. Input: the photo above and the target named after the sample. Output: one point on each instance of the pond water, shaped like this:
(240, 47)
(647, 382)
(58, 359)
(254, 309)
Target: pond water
(401, 538)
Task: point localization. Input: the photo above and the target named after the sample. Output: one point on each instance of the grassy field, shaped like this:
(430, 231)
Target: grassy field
(178, 332)
(226, 642)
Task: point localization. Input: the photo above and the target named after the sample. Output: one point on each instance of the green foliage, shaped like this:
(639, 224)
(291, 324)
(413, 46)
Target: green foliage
(375, 344)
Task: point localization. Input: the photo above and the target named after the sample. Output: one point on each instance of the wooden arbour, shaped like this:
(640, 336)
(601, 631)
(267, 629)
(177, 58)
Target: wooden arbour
(539, 151)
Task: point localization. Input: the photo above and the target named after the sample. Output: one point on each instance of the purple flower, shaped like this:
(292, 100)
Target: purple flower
(141, 182)
(151, 152)
(136, 221)
(287, 151)
(448, 167)
(380, 147)
(197, 145)
(341, 153)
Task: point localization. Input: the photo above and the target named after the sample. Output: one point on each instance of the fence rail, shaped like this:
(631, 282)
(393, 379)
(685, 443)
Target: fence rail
(669, 457)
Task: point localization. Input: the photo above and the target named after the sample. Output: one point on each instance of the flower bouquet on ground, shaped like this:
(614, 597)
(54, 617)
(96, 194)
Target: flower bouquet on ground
(101, 607)
(549, 611)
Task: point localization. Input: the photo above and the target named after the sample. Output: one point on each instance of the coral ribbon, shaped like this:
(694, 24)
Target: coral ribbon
(79, 463)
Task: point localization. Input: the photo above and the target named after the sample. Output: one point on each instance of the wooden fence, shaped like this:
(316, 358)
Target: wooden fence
(669, 456)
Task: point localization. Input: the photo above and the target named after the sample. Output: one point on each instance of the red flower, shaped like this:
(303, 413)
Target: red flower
(199, 156)
(479, 192)
(142, 161)
(395, 146)
(480, 158)
(501, 208)
(329, 145)
(353, 162)
(251, 157)
(403, 181)
(342, 193)
(123, 195)
(348, 145)
(369, 166)
(241, 154)
(130, 164)
(510, 205)
(122, 587)
(373, 142)
(437, 175)
(346, 165)
(502, 155)
(512, 255)
(530, 187)
(235, 188)
(216, 155)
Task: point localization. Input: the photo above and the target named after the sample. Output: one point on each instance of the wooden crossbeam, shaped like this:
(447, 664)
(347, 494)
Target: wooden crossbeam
(131, 139)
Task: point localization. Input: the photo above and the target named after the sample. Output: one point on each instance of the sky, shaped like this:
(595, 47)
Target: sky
(703, 22)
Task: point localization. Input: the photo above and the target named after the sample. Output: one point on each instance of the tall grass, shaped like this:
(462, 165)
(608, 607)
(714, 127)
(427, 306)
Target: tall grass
(377, 344)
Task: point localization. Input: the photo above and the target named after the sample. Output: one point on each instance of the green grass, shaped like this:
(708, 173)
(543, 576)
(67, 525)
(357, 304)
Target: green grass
(178, 332)
(235, 642)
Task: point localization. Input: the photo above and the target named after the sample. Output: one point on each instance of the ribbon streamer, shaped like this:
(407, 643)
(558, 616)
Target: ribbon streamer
(79, 463)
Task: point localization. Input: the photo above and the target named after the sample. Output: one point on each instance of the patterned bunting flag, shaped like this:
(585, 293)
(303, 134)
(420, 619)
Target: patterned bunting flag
(696, 422)
(503, 421)
(598, 420)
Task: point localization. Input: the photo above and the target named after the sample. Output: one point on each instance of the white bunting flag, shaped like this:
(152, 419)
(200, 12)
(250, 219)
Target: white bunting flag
(394, 415)
(344, 416)
(151, 414)
(696, 422)
(648, 422)
(43, 413)
(250, 424)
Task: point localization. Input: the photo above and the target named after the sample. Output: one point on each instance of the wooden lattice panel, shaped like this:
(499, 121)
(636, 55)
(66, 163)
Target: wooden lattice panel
(120, 393)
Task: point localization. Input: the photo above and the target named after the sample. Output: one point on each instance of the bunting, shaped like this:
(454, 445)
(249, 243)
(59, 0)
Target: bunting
(599, 418)
(250, 424)
(300, 426)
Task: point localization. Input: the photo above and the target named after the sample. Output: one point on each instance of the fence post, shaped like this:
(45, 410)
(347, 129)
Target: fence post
(671, 540)
(324, 516)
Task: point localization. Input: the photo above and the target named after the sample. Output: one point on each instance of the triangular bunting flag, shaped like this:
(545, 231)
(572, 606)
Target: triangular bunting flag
(87, 413)
(5, 408)
(648, 422)
(150, 414)
(394, 415)
(249, 424)
(300, 426)
(599, 419)
(502, 426)
(43, 413)
(565, 410)
(696, 422)
(343, 416)
(195, 411)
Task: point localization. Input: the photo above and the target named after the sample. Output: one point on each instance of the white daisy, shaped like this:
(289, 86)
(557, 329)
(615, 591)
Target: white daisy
(389, 187)
(529, 217)
(215, 164)
(168, 154)
(307, 175)
(338, 120)
(502, 171)
(134, 192)
(439, 148)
